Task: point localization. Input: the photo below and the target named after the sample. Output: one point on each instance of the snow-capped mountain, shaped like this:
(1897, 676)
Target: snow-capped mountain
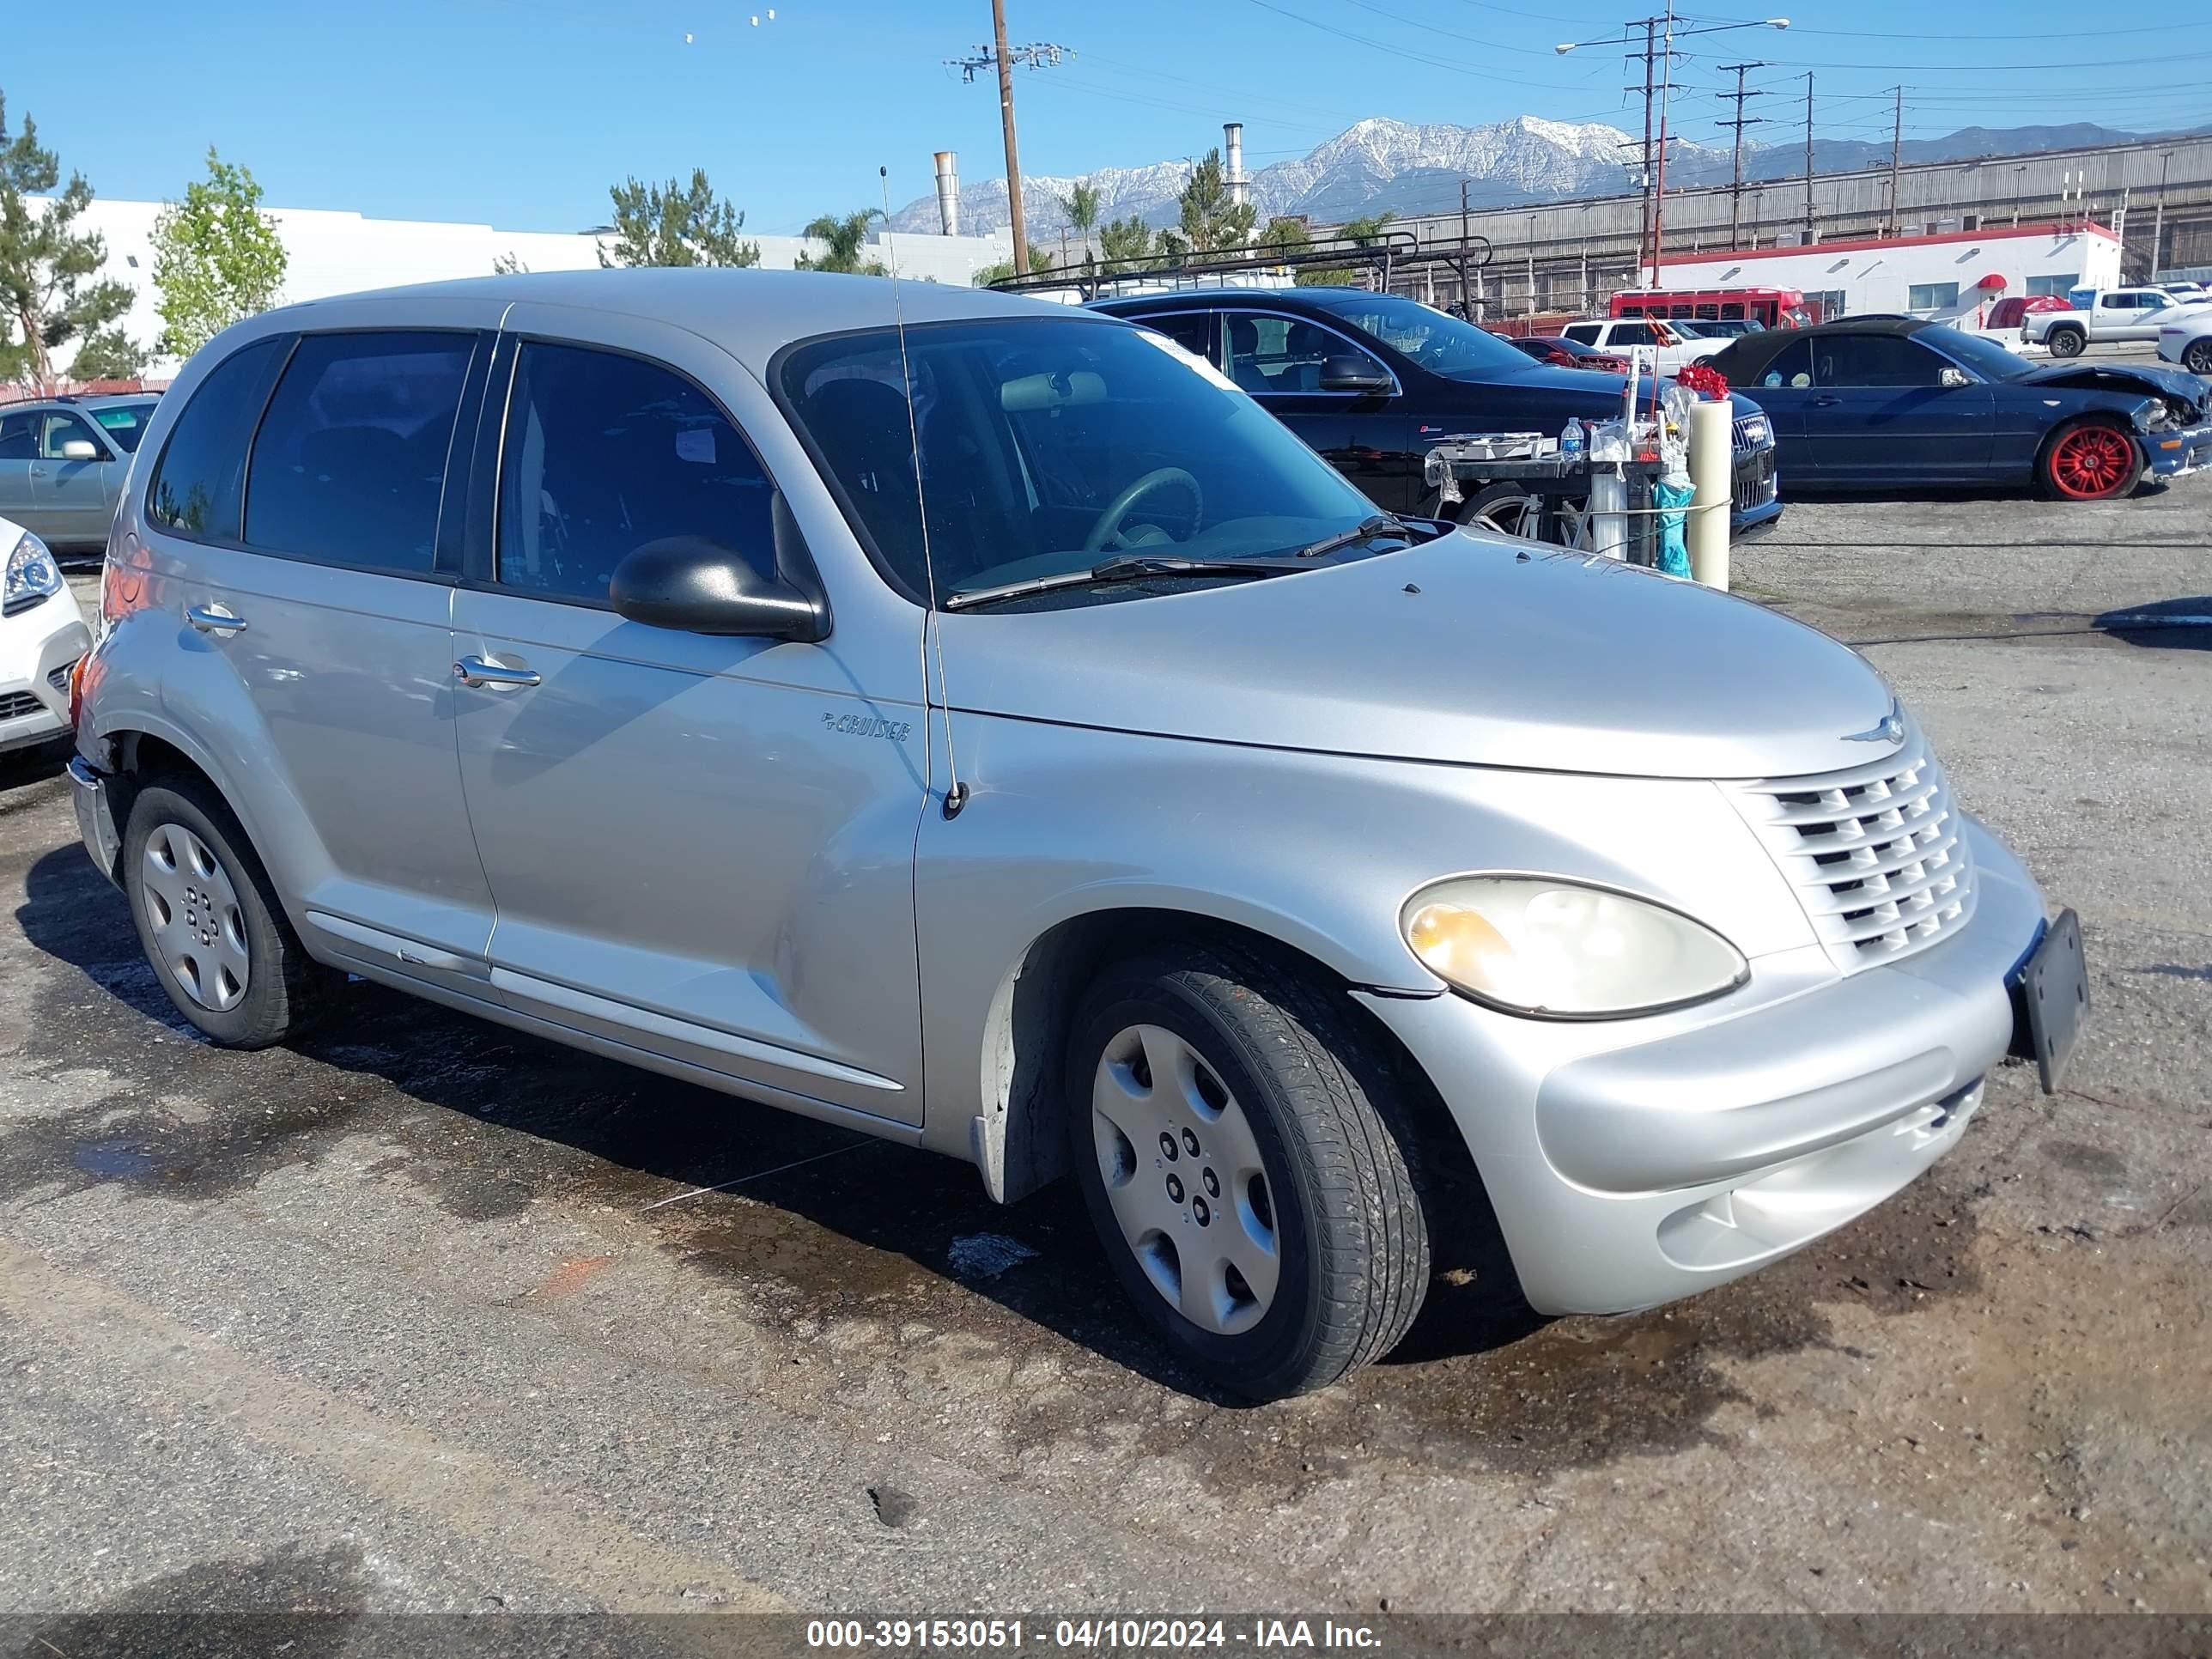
(1373, 164)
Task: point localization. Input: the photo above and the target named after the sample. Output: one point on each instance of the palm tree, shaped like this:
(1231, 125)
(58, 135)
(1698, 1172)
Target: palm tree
(843, 238)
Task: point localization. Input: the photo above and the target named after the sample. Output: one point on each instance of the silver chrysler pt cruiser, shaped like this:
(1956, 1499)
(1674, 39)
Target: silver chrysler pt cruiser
(976, 722)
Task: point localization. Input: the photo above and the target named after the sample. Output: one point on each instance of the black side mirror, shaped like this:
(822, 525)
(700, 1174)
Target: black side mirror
(700, 586)
(1349, 372)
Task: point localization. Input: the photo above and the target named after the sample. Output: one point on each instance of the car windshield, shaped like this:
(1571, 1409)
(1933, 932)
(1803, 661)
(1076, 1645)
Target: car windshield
(124, 423)
(1978, 352)
(1441, 344)
(1050, 445)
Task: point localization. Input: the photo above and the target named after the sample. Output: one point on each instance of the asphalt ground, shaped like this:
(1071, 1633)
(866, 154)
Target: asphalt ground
(422, 1315)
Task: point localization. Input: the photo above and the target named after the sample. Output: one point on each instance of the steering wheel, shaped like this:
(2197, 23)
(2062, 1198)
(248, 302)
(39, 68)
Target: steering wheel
(1108, 523)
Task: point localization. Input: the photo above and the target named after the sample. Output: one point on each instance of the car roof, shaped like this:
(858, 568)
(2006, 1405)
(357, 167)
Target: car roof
(1749, 354)
(1199, 299)
(750, 314)
(90, 400)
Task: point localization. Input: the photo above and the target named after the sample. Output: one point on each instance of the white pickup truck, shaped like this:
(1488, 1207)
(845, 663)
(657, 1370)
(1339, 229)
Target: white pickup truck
(2103, 315)
(1660, 348)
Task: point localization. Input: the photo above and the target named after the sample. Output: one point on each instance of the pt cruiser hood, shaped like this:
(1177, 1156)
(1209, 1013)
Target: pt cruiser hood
(1466, 650)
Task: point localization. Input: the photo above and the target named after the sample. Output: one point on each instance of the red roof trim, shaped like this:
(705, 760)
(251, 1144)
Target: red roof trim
(1987, 233)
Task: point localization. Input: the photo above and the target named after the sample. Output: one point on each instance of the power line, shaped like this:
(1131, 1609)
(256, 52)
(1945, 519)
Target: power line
(1002, 57)
(1741, 121)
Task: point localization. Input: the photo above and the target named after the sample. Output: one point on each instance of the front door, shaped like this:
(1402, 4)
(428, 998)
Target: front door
(699, 847)
(1879, 412)
(328, 609)
(1366, 436)
(74, 494)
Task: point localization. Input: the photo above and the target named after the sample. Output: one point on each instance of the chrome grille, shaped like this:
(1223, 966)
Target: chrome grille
(1876, 852)
(1754, 480)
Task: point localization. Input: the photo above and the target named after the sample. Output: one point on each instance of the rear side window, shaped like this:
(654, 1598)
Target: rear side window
(606, 452)
(1583, 333)
(19, 435)
(197, 487)
(351, 464)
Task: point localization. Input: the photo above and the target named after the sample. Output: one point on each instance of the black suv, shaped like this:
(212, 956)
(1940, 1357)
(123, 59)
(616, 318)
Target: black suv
(1374, 380)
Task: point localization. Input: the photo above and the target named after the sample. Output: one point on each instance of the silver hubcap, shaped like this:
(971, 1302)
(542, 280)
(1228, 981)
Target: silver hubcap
(193, 913)
(1522, 516)
(1183, 1174)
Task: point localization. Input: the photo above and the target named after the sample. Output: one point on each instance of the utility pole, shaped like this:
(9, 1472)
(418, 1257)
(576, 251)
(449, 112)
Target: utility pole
(2158, 216)
(1896, 157)
(1466, 291)
(1741, 121)
(1644, 222)
(1003, 57)
(1810, 228)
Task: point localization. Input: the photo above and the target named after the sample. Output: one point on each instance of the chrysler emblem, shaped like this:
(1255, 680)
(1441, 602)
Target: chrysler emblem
(1891, 730)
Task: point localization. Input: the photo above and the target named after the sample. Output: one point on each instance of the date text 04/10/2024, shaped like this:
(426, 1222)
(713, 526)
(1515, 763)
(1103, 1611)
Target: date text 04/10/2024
(1078, 1635)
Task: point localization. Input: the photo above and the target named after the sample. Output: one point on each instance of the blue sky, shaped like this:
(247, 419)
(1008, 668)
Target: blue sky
(520, 112)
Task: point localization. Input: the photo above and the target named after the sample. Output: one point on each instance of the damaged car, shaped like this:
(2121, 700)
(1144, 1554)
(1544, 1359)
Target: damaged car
(1880, 403)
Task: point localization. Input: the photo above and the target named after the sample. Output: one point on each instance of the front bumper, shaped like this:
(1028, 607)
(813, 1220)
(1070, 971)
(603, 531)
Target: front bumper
(1755, 490)
(2175, 454)
(1624, 1176)
(39, 646)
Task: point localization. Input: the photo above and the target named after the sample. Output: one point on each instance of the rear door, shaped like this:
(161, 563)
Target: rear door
(330, 604)
(74, 494)
(1366, 436)
(21, 430)
(699, 847)
(1880, 413)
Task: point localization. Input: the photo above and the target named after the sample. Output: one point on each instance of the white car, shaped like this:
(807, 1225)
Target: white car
(2186, 339)
(1653, 342)
(42, 634)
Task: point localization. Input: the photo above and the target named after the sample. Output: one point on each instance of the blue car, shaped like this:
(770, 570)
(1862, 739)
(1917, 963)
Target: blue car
(1882, 403)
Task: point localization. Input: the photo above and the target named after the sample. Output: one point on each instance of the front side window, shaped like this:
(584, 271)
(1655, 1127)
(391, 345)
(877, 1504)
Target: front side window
(607, 453)
(1046, 445)
(1272, 353)
(198, 484)
(63, 429)
(349, 466)
(1446, 345)
(1874, 360)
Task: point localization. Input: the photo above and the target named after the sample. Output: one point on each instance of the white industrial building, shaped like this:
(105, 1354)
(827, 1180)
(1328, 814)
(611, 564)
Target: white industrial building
(1951, 276)
(331, 252)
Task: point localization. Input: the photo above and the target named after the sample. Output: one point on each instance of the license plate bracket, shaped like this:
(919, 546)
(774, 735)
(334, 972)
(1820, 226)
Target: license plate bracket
(2051, 999)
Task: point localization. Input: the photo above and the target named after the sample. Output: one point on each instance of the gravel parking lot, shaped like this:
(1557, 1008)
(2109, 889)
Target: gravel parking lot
(423, 1315)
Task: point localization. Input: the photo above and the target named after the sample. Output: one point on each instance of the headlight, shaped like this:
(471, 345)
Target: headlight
(1532, 945)
(32, 573)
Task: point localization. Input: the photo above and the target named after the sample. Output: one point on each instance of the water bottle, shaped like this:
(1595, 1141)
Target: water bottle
(1570, 442)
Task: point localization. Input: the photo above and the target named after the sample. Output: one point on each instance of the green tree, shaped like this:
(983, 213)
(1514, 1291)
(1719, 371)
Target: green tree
(672, 225)
(50, 290)
(1366, 232)
(1124, 243)
(1284, 234)
(108, 354)
(1212, 220)
(1040, 261)
(216, 257)
(843, 238)
(1360, 233)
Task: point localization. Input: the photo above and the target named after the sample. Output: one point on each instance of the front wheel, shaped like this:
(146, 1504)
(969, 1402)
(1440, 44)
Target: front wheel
(1227, 1120)
(1508, 509)
(2089, 461)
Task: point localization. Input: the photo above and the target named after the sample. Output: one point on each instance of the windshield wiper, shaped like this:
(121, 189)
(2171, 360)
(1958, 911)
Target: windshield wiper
(1377, 524)
(1125, 567)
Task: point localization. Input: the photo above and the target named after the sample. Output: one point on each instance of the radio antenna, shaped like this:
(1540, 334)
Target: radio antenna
(932, 631)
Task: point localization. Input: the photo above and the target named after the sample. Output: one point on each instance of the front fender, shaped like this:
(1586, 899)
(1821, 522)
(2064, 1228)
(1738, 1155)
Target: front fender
(1316, 852)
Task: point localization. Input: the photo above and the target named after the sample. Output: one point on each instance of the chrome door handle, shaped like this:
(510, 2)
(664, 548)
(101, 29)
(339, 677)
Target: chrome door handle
(40, 472)
(476, 671)
(216, 619)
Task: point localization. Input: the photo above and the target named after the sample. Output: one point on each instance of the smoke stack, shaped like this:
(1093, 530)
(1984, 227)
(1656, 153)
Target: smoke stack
(1233, 134)
(948, 192)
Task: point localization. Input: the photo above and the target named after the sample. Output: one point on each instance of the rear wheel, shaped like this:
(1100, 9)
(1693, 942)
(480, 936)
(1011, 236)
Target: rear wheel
(1227, 1121)
(2066, 341)
(2197, 357)
(209, 922)
(2090, 461)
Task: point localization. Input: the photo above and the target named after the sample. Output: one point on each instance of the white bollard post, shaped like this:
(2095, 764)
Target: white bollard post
(1712, 479)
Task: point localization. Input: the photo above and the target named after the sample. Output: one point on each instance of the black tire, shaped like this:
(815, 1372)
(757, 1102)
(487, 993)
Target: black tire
(2196, 356)
(1342, 1203)
(2066, 341)
(285, 988)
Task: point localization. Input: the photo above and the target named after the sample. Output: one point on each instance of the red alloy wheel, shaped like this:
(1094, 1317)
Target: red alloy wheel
(2091, 464)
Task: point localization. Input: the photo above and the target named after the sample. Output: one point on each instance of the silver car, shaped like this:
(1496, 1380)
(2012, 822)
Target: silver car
(975, 722)
(63, 462)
